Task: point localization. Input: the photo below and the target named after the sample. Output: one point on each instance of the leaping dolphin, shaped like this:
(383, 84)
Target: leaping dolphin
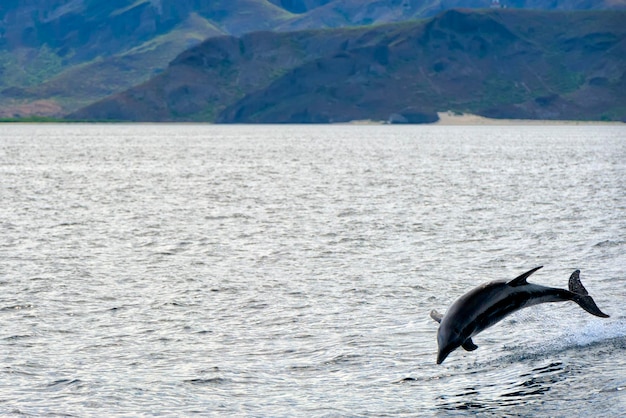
(491, 302)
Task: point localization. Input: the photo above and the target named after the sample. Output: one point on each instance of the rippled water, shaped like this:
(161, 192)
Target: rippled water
(289, 270)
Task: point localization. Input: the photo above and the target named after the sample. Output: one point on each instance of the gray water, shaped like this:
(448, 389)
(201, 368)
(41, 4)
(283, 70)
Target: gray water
(157, 270)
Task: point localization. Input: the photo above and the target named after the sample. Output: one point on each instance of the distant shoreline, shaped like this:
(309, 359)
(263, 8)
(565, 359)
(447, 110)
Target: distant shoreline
(451, 119)
(445, 119)
(468, 119)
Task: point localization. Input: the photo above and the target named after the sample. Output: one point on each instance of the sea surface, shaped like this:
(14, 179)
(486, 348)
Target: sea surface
(283, 271)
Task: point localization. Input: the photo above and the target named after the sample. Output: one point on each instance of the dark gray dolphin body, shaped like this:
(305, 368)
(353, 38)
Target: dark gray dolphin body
(491, 302)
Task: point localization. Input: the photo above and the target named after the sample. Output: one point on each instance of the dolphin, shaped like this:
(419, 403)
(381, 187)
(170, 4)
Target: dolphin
(491, 302)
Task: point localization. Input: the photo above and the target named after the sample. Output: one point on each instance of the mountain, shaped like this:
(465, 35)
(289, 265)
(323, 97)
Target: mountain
(338, 13)
(59, 55)
(74, 52)
(497, 63)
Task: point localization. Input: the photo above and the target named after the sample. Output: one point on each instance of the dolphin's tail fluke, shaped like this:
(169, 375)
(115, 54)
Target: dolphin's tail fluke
(581, 296)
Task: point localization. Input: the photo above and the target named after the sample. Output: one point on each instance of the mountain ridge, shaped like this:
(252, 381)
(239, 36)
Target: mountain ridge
(507, 64)
(64, 54)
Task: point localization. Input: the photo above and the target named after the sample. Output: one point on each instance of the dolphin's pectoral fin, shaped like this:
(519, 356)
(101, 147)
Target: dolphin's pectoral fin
(521, 280)
(581, 296)
(469, 345)
(436, 315)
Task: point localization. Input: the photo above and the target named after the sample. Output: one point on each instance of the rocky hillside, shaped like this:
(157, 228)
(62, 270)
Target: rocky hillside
(497, 63)
(71, 53)
(59, 55)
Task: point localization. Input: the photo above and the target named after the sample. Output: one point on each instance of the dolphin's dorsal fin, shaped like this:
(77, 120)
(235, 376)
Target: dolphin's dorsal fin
(469, 345)
(521, 280)
(436, 315)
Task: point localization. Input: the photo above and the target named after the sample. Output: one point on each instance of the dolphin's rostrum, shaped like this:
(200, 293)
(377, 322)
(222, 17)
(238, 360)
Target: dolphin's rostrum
(489, 303)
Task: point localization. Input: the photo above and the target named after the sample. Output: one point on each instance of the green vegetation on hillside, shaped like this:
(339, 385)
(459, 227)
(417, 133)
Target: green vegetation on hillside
(513, 66)
(70, 54)
(33, 119)
(42, 65)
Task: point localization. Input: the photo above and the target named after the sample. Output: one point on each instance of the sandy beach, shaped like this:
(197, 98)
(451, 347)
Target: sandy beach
(454, 119)
(449, 118)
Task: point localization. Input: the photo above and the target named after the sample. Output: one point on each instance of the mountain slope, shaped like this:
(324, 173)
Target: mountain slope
(203, 80)
(513, 65)
(499, 63)
(59, 55)
(45, 47)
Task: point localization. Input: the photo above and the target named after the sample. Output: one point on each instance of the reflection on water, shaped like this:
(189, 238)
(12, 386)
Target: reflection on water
(526, 389)
(539, 380)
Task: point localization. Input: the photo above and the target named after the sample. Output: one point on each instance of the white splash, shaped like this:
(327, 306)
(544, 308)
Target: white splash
(594, 331)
